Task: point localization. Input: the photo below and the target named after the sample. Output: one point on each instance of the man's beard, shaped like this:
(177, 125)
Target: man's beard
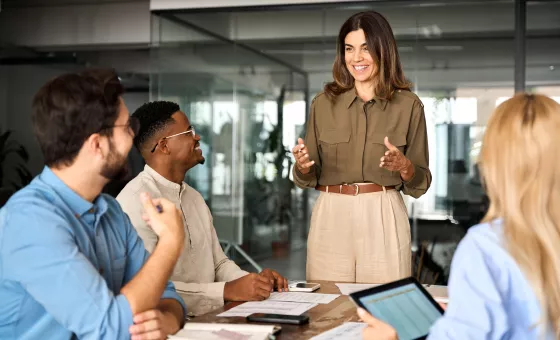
(116, 167)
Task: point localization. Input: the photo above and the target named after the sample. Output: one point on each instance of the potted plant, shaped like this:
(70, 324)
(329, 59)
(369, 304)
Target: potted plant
(269, 198)
(280, 213)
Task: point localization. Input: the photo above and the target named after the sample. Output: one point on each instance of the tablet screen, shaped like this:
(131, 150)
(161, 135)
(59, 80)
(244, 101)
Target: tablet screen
(405, 308)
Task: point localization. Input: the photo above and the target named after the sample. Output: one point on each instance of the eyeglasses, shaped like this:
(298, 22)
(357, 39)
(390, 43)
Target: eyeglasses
(133, 126)
(190, 130)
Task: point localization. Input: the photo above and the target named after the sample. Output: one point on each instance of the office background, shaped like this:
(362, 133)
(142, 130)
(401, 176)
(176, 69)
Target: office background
(245, 72)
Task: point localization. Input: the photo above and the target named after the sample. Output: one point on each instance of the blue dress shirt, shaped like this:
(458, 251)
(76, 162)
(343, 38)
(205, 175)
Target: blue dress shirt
(489, 296)
(63, 261)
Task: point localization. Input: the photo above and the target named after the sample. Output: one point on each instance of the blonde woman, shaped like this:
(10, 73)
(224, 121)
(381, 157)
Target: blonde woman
(505, 276)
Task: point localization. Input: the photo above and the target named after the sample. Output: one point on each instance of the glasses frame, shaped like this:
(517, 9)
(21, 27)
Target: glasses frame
(190, 130)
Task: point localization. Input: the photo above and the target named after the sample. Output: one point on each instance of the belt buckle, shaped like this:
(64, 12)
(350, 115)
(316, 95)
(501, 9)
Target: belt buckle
(357, 189)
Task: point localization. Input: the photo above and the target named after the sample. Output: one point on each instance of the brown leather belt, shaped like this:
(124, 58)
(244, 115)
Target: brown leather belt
(352, 189)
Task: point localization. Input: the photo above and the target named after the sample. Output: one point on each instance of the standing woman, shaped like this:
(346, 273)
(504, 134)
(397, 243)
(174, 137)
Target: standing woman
(365, 141)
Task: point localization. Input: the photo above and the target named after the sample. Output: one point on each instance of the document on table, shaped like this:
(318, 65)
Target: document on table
(303, 297)
(346, 331)
(269, 307)
(349, 288)
(216, 331)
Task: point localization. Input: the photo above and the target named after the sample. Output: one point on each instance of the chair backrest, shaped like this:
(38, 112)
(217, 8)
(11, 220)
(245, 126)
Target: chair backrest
(424, 268)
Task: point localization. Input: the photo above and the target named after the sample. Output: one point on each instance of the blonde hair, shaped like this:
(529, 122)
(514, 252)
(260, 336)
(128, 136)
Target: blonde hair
(519, 162)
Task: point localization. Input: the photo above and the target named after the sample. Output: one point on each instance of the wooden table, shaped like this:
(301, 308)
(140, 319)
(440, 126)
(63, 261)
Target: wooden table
(321, 318)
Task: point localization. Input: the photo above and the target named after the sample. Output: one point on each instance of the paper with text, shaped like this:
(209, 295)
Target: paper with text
(217, 331)
(303, 297)
(346, 331)
(268, 307)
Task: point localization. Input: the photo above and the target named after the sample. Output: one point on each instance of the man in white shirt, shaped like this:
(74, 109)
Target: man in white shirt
(203, 274)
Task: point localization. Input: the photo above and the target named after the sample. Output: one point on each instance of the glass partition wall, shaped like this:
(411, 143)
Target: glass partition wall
(461, 57)
(248, 108)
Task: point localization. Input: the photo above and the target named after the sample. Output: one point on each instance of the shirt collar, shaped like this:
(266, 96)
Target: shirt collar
(75, 202)
(351, 95)
(162, 180)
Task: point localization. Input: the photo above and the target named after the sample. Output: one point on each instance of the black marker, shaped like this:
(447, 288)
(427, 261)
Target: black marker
(159, 208)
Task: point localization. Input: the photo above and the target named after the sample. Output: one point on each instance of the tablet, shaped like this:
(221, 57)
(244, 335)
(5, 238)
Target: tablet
(403, 304)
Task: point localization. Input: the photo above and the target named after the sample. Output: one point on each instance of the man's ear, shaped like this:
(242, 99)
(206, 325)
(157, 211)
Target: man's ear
(163, 147)
(94, 145)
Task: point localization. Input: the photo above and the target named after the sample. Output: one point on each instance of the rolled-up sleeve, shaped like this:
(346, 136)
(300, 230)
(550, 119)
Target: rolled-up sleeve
(40, 253)
(138, 255)
(417, 152)
(310, 179)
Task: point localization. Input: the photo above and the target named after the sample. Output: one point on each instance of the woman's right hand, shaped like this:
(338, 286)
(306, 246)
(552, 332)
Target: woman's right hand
(301, 154)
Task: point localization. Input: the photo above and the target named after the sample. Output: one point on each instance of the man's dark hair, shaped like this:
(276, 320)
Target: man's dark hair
(153, 117)
(70, 108)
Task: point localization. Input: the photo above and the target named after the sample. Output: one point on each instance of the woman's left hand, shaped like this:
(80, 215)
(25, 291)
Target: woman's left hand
(394, 160)
(376, 330)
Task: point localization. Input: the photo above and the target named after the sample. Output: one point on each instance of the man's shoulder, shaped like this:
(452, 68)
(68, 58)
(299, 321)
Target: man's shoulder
(35, 210)
(35, 196)
(141, 183)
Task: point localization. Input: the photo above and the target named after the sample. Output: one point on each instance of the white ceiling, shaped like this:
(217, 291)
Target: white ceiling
(442, 46)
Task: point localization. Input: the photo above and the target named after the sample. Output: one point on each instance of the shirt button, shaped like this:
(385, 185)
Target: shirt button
(101, 271)
(91, 211)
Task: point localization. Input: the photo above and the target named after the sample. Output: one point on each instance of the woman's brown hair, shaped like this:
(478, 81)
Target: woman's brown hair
(383, 48)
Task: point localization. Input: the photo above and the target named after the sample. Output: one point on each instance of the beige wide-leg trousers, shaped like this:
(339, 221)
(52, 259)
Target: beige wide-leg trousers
(363, 238)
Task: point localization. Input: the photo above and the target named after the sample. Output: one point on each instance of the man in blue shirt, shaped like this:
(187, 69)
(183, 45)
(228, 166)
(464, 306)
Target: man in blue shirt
(71, 264)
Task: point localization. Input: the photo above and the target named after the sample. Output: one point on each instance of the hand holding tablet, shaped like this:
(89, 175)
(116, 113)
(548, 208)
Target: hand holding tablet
(403, 304)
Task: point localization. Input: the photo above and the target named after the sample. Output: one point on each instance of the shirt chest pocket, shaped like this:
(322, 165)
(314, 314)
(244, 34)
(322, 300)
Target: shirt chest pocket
(334, 148)
(397, 139)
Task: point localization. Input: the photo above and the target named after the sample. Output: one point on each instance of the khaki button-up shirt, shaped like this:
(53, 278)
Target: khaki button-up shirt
(346, 141)
(202, 268)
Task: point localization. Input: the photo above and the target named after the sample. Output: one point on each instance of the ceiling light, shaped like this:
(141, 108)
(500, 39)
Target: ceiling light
(444, 48)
